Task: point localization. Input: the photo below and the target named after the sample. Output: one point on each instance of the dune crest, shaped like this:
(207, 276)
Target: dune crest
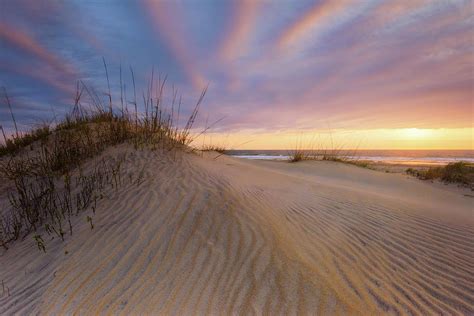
(225, 236)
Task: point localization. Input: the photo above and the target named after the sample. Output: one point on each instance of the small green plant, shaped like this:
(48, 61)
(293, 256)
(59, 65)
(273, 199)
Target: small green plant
(39, 242)
(140, 177)
(5, 289)
(89, 220)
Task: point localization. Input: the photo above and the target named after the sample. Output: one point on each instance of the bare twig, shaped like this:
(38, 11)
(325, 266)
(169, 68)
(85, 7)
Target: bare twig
(108, 86)
(11, 111)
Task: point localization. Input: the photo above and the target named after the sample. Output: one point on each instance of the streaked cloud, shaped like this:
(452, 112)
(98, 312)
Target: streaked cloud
(167, 21)
(22, 41)
(271, 65)
(40, 75)
(310, 20)
(240, 29)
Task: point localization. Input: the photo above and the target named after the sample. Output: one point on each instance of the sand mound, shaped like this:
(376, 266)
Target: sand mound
(223, 236)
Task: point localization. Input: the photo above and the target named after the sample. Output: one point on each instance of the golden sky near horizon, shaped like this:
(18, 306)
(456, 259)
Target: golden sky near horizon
(397, 138)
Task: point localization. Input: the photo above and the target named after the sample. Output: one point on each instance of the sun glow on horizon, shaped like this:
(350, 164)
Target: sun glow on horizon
(416, 133)
(396, 138)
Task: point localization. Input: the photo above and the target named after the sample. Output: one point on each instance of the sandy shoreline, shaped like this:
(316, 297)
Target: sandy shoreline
(226, 235)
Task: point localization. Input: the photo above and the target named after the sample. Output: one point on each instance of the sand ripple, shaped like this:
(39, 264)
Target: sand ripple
(232, 239)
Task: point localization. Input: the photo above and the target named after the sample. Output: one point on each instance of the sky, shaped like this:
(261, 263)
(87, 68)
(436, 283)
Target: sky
(366, 74)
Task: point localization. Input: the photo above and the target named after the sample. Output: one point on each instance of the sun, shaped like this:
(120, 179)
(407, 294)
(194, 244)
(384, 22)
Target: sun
(415, 133)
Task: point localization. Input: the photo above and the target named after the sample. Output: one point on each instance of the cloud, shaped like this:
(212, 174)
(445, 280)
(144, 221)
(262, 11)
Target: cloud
(271, 65)
(24, 42)
(41, 75)
(165, 17)
(309, 21)
(240, 29)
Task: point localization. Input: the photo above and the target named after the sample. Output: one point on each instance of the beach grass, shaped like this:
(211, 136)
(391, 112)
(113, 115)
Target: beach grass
(460, 172)
(43, 165)
(217, 148)
(310, 151)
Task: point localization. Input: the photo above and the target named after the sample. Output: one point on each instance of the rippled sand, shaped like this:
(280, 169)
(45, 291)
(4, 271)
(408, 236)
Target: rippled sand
(227, 236)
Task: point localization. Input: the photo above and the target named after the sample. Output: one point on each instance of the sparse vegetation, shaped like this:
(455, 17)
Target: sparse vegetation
(334, 154)
(216, 148)
(5, 289)
(456, 172)
(311, 150)
(12, 145)
(48, 184)
(297, 155)
(300, 155)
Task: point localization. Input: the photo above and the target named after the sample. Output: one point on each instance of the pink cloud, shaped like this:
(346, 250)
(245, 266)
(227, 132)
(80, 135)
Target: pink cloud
(42, 75)
(305, 23)
(25, 42)
(241, 26)
(165, 17)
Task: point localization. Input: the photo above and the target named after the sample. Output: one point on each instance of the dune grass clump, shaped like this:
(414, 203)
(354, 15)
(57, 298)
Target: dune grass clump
(334, 154)
(44, 166)
(297, 155)
(216, 148)
(12, 145)
(300, 154)
(312, 154)
(46, 195)
(313, 150)
(456, 172)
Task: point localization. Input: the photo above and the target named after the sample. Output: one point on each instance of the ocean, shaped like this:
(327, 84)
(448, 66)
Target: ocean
(399, 157)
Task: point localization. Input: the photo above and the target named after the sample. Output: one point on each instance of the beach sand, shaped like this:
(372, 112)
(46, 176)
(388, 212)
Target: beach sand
(222, 235)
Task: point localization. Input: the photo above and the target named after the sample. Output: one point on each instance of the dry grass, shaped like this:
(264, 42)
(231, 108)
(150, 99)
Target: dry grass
(12, 145)
(457, 172)
(217, 148)
(297, 155)
(313, 151)
(48, 185)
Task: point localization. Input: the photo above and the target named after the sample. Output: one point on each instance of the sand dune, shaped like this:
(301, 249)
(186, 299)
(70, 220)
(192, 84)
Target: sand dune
(226, 236)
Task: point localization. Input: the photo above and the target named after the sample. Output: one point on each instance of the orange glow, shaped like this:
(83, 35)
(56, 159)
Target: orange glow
(402, 138)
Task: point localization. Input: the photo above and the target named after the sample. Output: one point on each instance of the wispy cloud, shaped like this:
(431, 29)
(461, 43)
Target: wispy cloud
(167, 22)
(271, 65)
(236, 39)
(41, 75)
(310, 20)
(22, 41)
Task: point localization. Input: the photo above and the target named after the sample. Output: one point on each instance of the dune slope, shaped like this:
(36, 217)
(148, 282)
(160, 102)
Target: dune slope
(222, 236)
